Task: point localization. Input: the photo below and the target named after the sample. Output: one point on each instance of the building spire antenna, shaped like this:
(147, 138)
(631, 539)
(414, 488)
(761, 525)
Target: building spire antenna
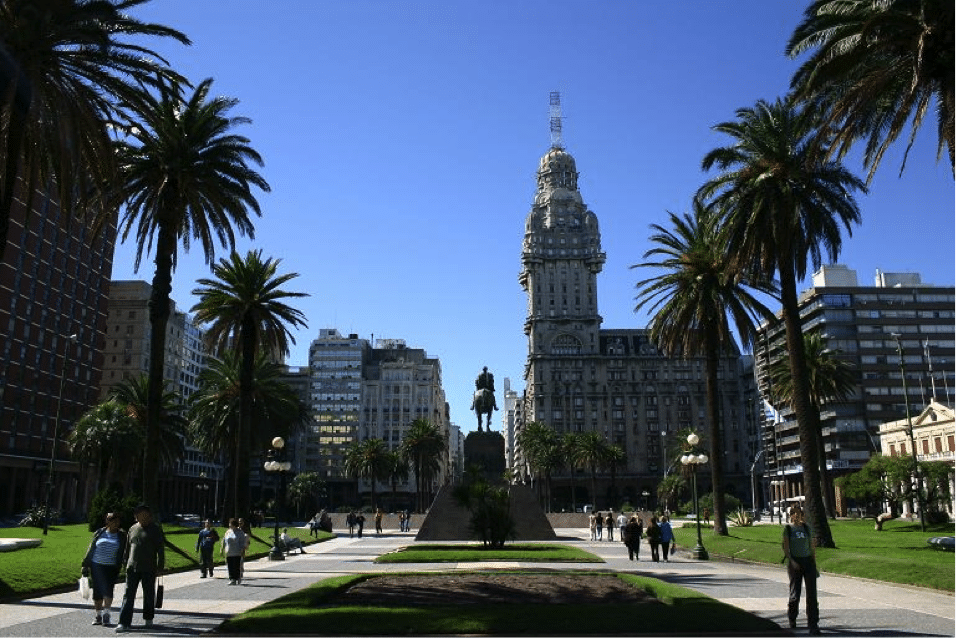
(556, 139)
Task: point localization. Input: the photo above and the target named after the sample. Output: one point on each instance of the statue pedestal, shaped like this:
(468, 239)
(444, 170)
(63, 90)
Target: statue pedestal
(486, 450)
(447, 520)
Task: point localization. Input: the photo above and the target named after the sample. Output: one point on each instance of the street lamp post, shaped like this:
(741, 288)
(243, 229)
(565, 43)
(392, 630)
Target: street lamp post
(203, 488)
(56, 436)
(692, 460)
(645, 494)
(753, 486)
(276, 463)
(909, 427)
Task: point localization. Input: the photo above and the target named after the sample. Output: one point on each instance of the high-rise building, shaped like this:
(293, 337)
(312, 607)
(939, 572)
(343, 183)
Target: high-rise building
(580, 377)
(335, 398)
(897, 326)
(54, 282)
(400, 386)
(193, 484)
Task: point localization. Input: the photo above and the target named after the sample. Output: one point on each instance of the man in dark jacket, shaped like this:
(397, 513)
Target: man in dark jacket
(145, 559)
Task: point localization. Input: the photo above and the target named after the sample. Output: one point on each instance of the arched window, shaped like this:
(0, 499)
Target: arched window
(566, 344)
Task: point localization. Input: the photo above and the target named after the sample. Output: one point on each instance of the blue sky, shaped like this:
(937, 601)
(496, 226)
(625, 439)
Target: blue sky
(401, 141)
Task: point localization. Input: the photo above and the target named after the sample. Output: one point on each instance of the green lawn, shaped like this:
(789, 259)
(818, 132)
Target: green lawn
(314, 611)
(56, 563)
(515, 552)
(898, 554)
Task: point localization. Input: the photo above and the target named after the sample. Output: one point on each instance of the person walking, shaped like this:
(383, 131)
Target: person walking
(599, 526)
(592, 523)
(633, 531)
(360, 523)
(234, 546)
(205, 544)
(350, 521)
(145, 558)
(621, 524)
(801, 568)
(654, 539)
(378, 521)
(667, 537)
(103, 561)
(609, 523)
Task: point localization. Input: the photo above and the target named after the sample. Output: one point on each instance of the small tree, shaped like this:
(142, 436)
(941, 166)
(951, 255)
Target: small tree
(883, 480)
(304, 489)
(490, 509)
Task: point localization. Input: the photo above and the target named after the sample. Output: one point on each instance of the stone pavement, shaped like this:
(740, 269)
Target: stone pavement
(848, 606)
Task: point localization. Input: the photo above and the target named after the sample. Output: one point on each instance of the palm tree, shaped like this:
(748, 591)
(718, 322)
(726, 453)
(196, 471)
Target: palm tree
(304, 490)
(397, 473)
(544, 452)
(616, 457)
(569, 444)
(66, 68)
(874, 67)
(169, 443)
(700, 287)
(108, 438)
(592, 453)
(831, 379)
(368, 460)
(782, 206)
(183, 175)
(423, 446)
(214, 415)
(244, 309)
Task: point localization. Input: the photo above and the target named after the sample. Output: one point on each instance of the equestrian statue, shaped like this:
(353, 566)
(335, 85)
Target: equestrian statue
(483, 401)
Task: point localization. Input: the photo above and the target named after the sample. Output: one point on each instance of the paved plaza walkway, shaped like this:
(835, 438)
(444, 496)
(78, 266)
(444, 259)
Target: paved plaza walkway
(848, 606)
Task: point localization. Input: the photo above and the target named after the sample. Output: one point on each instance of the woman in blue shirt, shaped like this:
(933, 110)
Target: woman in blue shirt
(103, 561)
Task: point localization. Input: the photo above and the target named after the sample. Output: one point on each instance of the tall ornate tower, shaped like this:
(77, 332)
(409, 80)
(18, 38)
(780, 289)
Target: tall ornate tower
(561, 257)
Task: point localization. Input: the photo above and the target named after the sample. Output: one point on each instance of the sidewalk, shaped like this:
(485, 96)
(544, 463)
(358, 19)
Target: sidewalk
(192, 605)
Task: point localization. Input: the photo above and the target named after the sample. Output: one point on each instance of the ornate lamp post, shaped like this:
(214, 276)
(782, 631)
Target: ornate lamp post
(56, 436)
(276, 463)
(646, 496)
(692, 460)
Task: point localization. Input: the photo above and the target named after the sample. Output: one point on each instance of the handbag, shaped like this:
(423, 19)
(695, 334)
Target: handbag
(84, 587)
(673, 549)
(159, 593)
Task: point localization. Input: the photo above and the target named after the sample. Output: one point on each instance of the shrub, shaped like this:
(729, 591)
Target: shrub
(36, 516)
(741, 518)
(109, 500)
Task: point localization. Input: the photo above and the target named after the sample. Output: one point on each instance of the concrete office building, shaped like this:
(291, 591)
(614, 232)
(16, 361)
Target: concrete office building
(54, 282)
(401, 385)
(335, 398)
(580, 377)
(897, 324)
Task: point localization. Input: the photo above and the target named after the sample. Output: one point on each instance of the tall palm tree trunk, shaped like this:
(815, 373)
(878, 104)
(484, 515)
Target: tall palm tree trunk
(716, 437)
(808, 419)
(14, 135)
(159, 312)
(246, 376)
(825, 487)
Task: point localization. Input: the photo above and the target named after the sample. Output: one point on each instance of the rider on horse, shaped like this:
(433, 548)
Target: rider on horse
(484, 399)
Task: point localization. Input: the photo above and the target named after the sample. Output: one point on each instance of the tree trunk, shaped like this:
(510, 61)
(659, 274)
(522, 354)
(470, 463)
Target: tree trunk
(156, 384)
(825, 487)
(808, 419)
(247, 341)
(716, 438)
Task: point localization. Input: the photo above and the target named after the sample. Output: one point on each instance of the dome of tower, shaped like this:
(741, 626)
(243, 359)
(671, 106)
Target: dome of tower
(557, 159)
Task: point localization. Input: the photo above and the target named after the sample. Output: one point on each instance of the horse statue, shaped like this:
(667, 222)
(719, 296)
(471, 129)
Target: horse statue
(483, 403)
